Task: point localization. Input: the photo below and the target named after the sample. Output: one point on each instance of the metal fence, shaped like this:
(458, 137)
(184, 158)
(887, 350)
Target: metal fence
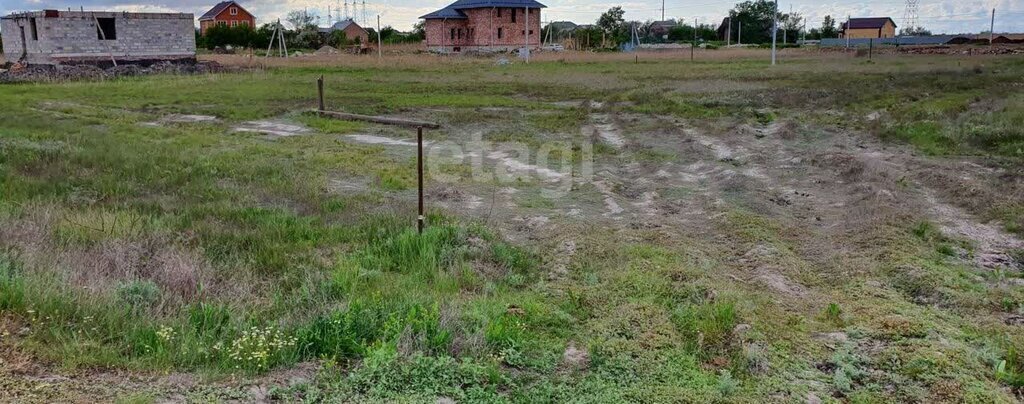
(902, 40)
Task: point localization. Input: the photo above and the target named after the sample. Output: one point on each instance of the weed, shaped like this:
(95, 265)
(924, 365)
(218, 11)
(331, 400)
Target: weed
(708, 327)
(139, 295)
(834, 314)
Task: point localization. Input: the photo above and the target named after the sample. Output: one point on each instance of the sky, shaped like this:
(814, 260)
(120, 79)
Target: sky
(939, 16)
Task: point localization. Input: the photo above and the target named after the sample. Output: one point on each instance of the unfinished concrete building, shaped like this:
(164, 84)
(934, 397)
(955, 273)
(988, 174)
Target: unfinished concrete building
(72, 37)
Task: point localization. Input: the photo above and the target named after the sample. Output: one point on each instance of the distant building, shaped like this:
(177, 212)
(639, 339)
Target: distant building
(875, 27)
(228, 14)
(487, 25)
(56, 37)
(660, 29)
(353, 32)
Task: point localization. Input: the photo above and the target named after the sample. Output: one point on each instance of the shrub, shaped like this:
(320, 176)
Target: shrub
(139, 295)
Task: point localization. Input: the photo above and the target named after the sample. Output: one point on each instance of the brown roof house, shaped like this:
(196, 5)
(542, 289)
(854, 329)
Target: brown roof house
(484, 25)
(228, 14)
(55, 37)
(875, 27)
(353, 32)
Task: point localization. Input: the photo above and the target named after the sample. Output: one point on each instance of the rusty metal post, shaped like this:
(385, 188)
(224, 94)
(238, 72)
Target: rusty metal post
(419, 170)
(320, 92)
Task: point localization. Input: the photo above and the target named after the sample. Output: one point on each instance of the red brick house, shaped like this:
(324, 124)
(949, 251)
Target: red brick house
(484, 25)
(227, 13)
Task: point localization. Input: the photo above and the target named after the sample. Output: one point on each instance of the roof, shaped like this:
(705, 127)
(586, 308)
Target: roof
(219, 8)
(341, 26)
(452, 11)
(445, 13)
(868, 23)
(667, 23)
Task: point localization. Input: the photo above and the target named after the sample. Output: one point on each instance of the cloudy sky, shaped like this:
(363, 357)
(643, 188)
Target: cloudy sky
(950, 16)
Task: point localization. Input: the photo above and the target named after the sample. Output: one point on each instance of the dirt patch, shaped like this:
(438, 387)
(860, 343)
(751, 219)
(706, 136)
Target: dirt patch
(603, 127)
(273, 129)
(381, 140)
(993, 245)
(183, 118)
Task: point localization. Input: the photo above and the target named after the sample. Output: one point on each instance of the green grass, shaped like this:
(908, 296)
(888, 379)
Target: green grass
(190, 248)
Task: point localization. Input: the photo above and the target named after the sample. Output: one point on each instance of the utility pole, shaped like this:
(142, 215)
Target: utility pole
(663, 10)
(694, 38)
(739, 34)
(992, 29)
(728, 31)
(775, 29)
(846, 31)
(380, 42)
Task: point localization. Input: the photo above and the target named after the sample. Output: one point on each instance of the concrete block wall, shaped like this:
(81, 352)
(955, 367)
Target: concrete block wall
(72, 36)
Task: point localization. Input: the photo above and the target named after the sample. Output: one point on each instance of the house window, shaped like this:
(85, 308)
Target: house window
(234, 23)
(453, 34)
(222, 23)
(106, 29)
(513, 14)
(234, 10)
(244, 23)
(35, 31)
(499, 13)
(499, 32)
(460, 33)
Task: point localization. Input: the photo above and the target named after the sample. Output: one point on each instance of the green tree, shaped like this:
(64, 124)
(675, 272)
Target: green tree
(828, 28)
(614, 26)
(792, 24)
(757, 19)
(914, 31)
(238, 36)
(337, 39)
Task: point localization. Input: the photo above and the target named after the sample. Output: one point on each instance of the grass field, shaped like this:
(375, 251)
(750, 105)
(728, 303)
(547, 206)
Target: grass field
(827, 229)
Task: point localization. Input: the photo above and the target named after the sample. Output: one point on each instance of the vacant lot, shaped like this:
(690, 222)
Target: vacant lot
(828, 229)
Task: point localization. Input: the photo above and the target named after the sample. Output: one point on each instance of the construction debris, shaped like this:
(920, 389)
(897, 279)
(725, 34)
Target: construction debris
(327, 50)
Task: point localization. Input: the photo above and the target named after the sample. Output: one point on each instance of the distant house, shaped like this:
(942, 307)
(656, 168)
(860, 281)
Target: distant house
(875, 27)
(660, 29)
(490, 25)
(353, 32)
(228, 14)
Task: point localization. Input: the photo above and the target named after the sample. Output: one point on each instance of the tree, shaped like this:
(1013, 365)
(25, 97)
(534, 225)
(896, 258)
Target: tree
(791, 25)
(915, 31)
(418, 29)
(337, 39)
(828, 28)
(611, 21)
(756, 17)
(300, 20)
(241, 36)
(614, 26)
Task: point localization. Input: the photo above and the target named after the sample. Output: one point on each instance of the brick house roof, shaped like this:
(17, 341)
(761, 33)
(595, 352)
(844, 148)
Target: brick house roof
(868, 23)
(219, 8)
(452, 11)
(447, 13)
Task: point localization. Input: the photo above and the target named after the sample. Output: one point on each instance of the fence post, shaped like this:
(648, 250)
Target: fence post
(320, 92)
(419, 170)
(871, 47)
